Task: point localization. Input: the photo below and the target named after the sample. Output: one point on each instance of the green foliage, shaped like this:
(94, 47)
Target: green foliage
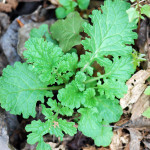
(48, 61)
(80, 86)
(83, 4)
(52, 125)
(137, 12)
(146, 10)
(147, 113)
(70, 96)
(137, 58)
(92, 125)
(67, 31)
(68, 6)
(20, 90)
(60, 12)
(133, 14)
(42, 31)
(112, 88)
(147, 91)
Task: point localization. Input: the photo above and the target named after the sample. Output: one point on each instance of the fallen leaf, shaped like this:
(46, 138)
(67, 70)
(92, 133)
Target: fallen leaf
(136, 86)
(55, 2)
(147, 144)
(136, 137)
(141, 122)
(89, 148)
(140, 106)
(7, 7)
(55, 146)
(120, 140)
(116, 141)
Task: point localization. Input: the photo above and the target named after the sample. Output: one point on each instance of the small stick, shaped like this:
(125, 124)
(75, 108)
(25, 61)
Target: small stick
(20, 23)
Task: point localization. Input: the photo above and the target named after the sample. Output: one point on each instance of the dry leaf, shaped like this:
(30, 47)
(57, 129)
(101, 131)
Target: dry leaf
(136, 86)
(141, 122)
(55, 2)
(140, 106)
(89, 148)
(119, 140)
(147, 144)
(7, 7)
(94, 148)
(116, 141)
(136, 137)
(55, 146)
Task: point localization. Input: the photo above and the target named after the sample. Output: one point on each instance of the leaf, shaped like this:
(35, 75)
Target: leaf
(105, 136)
(38, 129)
(52, 125)
(49, 61)
(90, 99)
(83, 4)
(43, 145)
(112, 89)
(67, 31)
(147, 113)
(57, 107)
(80, 79)
(70, 96)
(47, 112)
(92, 126)
(62, 125)
(132, 14)
(66, 67)
(20, 90)
(89, 120)
(146, 10)
(85, 60)
(147, 91)
(69, 5)
(120, 69)
(137, 58)
(108, 109)
(67, 127)
(61, 12)
(109, 34)
(42, 32)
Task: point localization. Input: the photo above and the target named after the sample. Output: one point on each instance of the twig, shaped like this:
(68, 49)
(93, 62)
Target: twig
(136, 3)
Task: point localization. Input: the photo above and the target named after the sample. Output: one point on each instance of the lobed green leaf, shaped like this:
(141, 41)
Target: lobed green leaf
(20, 90)
(67, 31)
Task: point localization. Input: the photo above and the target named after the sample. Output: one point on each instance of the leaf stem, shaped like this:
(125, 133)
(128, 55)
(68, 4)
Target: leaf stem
(97, 78)
(94, 79)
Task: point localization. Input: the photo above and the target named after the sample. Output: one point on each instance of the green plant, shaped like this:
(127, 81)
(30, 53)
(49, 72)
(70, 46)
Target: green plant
(137, 11)
(49, 68)
(68, 6)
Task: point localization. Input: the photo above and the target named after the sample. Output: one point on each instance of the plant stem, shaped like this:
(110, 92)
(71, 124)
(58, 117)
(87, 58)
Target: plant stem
(136, 3)
(94, 79)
